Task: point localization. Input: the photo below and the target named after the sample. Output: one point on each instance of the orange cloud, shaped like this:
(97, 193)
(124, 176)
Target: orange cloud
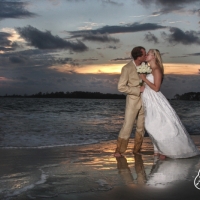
(170, 68)
(90, 69)
(181, 68)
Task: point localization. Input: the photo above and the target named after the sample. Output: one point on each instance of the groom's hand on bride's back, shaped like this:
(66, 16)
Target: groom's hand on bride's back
(142, 89)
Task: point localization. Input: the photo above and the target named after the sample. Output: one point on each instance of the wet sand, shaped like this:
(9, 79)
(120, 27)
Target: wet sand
(91, 172)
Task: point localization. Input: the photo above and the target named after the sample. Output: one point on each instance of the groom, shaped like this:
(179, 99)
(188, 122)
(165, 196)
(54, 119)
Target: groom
(129, 83)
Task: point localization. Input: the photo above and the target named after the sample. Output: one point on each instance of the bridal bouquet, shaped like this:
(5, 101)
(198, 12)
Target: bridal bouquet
(143, 69)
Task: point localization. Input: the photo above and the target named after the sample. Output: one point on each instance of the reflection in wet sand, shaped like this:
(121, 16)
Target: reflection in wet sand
(91, 172)
(124, 170)
(163, 172)
(168, 171)
(140, 170)
(126, 173)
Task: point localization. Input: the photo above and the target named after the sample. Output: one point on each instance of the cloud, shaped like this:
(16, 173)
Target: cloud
(45, 40)
(171, 6)
(3, 39)
(183, 83)
(112, 47)
(151, 38)
(112, 2)
(5, 43)
(178, 56)
(99, 37)
(187, 55)
(166, 10)
(89, 59)
(179, 36)
(14, 9)
(63, 61)
(15, 59)
(195, 11)
(135, 27)
(121, 59)
(177, 10)
(168, 3)
(194, 54)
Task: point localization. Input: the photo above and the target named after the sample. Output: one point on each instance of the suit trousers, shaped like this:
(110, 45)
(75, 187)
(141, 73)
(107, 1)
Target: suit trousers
(132, 115)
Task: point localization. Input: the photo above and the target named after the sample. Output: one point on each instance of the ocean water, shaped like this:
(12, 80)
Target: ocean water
(40, 123)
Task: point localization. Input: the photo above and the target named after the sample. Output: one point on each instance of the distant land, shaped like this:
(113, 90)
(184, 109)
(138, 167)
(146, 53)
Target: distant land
(76, 94)
(190, 96)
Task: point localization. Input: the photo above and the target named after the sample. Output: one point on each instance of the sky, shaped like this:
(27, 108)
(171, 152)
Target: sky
(81, 45)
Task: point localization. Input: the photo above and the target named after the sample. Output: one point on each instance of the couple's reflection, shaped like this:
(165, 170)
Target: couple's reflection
(125, 172)
(162, 171)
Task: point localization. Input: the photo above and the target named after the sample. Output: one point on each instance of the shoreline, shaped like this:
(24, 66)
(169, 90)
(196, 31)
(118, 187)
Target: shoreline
(91, 171)
(194, 136)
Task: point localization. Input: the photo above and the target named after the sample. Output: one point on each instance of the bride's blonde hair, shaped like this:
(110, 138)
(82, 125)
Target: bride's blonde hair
(159, 62)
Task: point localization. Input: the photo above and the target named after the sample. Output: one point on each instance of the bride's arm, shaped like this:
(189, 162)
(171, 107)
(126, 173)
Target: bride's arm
(157, 80)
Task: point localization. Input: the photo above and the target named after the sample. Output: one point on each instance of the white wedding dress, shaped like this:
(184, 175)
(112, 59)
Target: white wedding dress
(169, 136)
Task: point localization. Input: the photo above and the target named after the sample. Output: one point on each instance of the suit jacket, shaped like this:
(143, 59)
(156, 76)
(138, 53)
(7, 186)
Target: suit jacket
(129, 83)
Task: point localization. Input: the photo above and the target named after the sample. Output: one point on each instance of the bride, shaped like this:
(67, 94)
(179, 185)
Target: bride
(169, 136)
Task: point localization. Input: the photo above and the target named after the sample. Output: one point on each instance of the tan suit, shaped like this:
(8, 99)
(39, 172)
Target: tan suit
(129, 83)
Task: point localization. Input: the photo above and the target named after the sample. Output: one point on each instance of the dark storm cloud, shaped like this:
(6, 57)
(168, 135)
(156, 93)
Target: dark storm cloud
(135, 27)
(45, 40)
(151, 38)
(14, 9)
(179, 36)
(99, 37)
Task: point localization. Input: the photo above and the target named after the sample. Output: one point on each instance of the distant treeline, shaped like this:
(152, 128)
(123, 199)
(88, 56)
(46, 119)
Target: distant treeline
(76, 94)
(190, 96)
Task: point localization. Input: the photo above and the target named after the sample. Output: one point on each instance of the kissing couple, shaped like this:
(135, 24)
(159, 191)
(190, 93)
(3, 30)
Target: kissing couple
(149, 109)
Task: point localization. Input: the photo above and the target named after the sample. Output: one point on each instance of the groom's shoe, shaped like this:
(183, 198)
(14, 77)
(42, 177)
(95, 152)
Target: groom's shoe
(121, 146)
(137, 152)
(137, 143)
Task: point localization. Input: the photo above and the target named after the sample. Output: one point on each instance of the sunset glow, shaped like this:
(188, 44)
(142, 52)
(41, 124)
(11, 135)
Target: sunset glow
(182, 68)
(14, 37)
(90, 69)
(41, 51)
(170, 68)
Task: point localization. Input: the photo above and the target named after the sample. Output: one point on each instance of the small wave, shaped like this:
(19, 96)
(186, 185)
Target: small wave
(52, 146)
(16, 192)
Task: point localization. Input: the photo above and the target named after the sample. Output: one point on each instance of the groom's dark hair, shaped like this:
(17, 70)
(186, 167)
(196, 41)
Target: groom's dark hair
(136, 52)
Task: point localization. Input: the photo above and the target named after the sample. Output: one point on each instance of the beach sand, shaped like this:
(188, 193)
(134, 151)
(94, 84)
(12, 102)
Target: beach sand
(91, 172)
